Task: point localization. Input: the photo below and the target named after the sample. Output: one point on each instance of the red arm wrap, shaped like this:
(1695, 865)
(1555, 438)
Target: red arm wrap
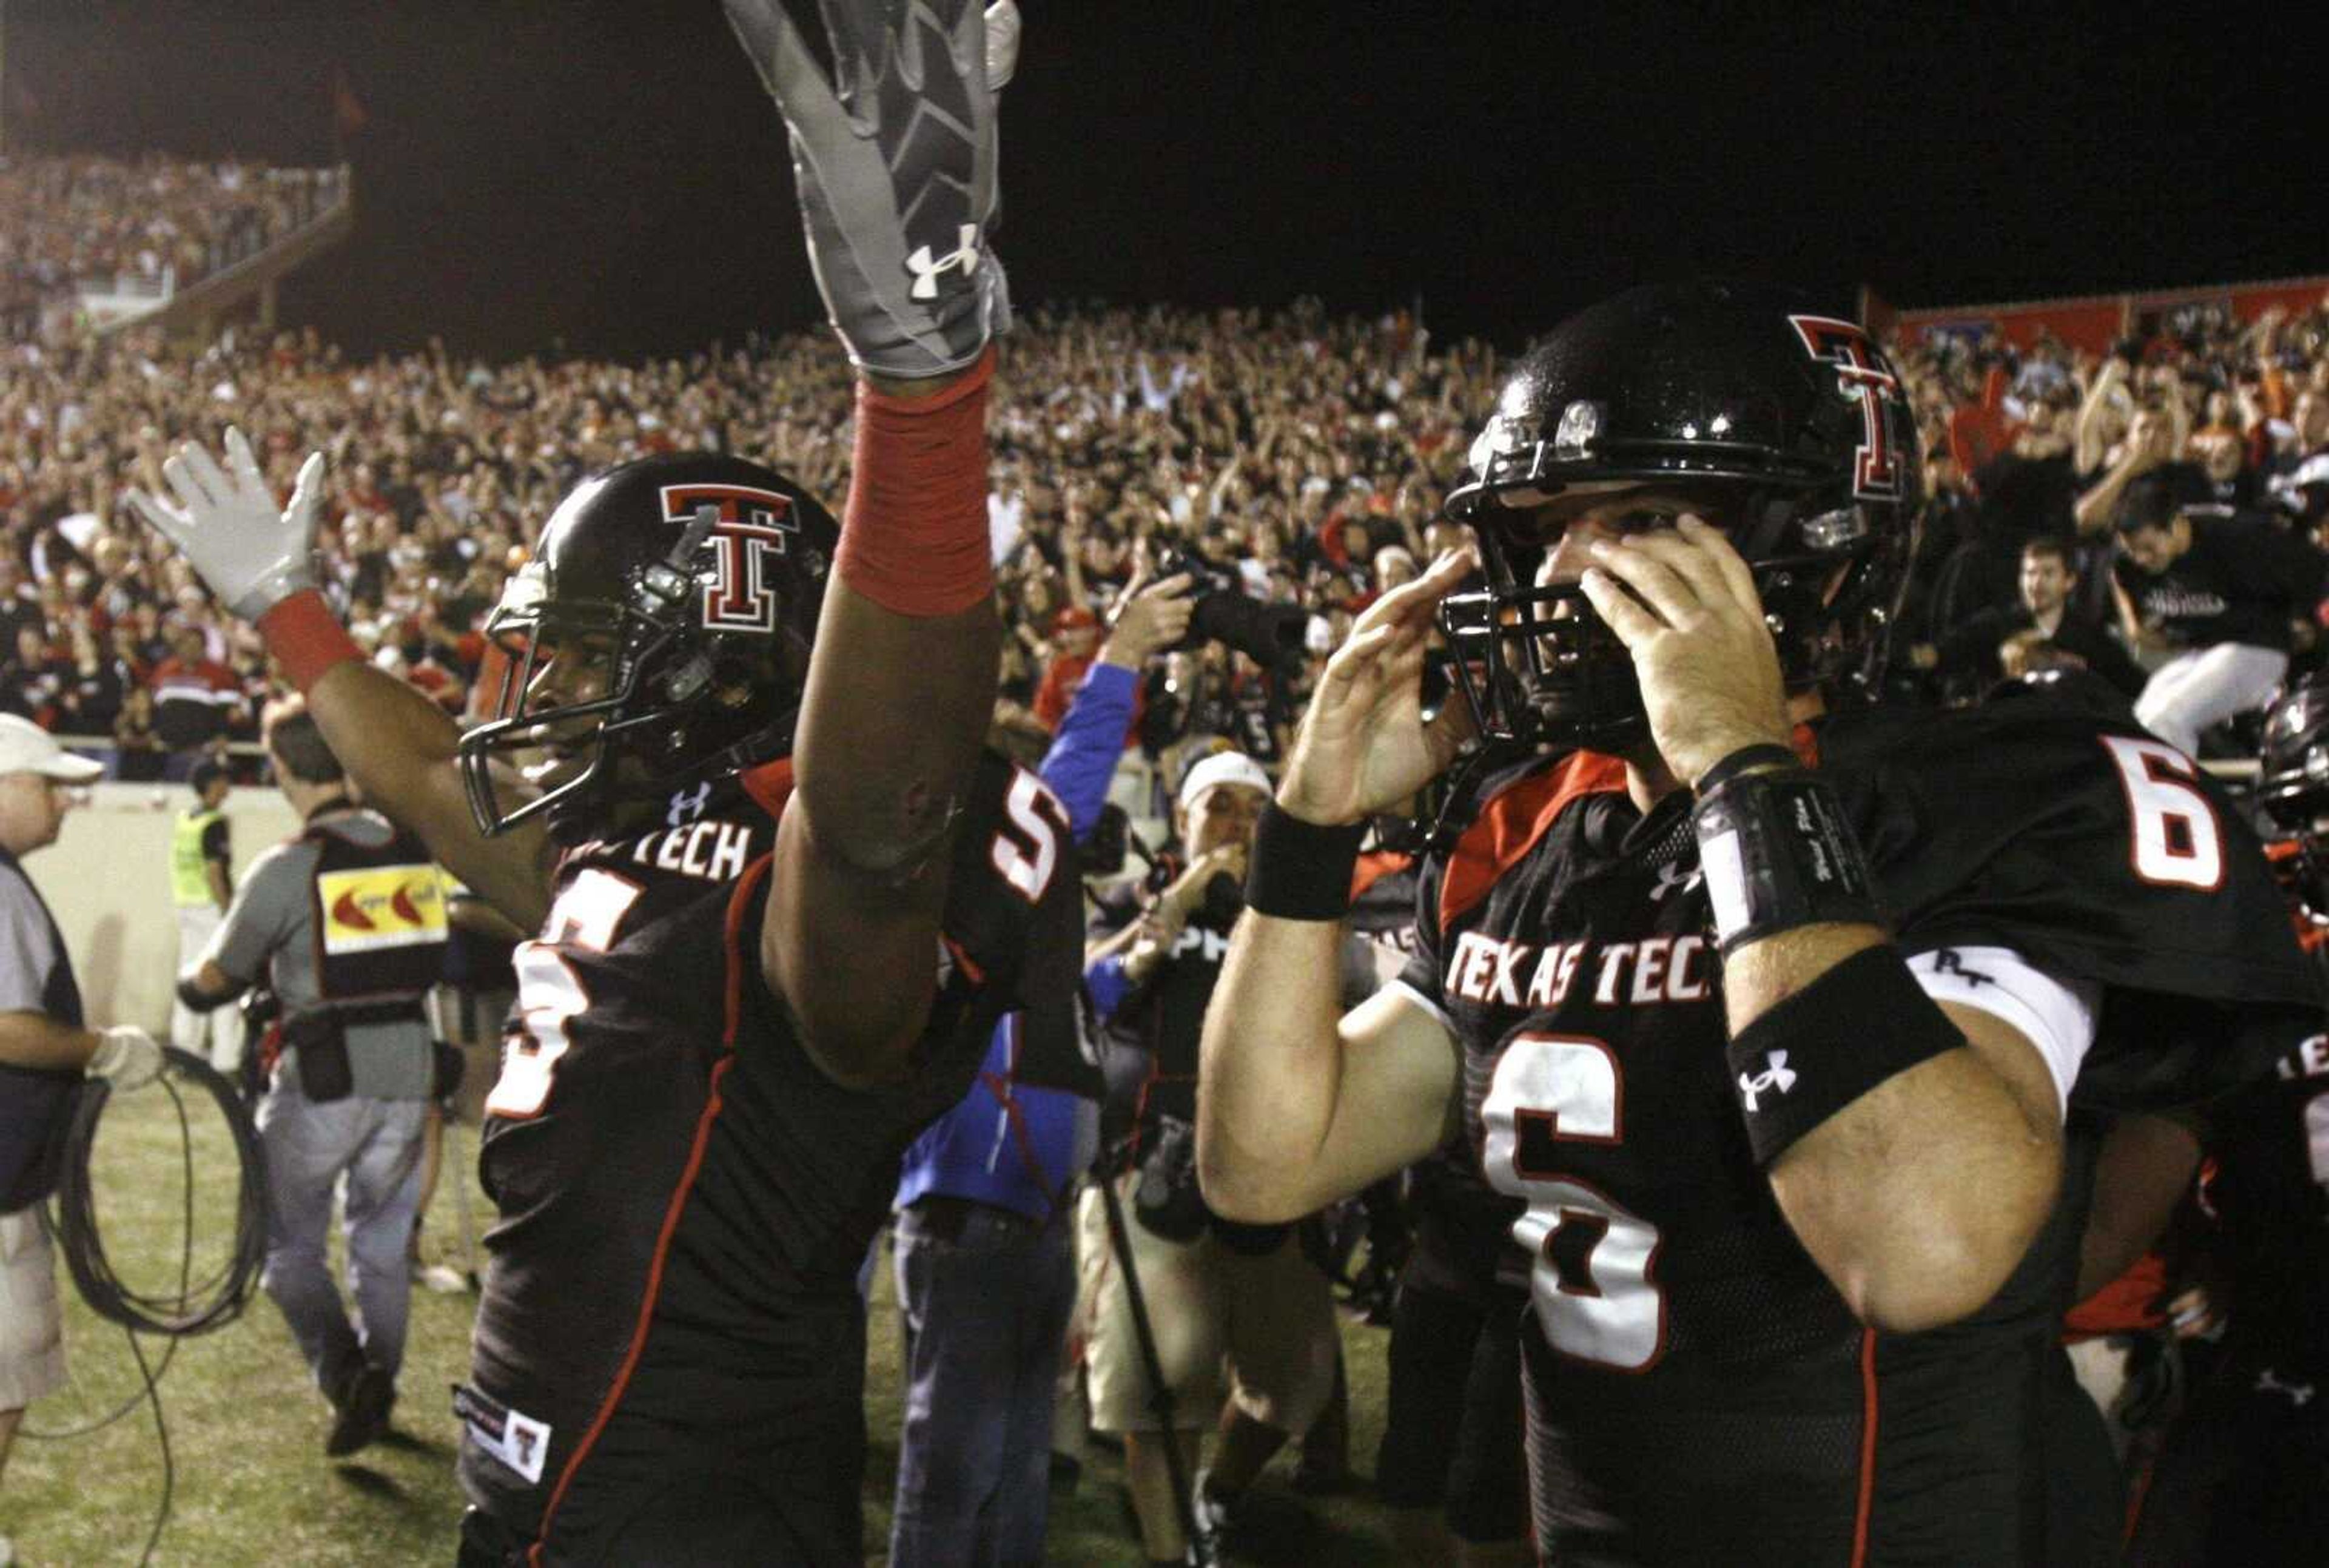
(915, 540)
(304, 637)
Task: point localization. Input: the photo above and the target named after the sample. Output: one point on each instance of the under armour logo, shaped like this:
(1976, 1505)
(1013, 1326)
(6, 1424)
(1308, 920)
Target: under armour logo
(1670, 876)
(687, 805)
(926, 270)
(1775, 1076)
(1948, 962)
(2298, 1392)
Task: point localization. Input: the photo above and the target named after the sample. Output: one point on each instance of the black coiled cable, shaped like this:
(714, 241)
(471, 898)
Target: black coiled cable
(196, 1306)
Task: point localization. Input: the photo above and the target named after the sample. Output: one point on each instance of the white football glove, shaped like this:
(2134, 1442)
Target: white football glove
(126, 1056)
(227, 527)
(895, 154)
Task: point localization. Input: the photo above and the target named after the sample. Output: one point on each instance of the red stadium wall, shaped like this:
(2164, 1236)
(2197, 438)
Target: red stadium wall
(2093, 321)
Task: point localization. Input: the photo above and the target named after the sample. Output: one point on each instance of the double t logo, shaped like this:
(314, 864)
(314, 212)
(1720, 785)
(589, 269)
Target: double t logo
(754, 527)
(1864, 374)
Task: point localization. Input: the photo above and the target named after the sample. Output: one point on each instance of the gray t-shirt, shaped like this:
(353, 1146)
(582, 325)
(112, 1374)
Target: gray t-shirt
(27, 952)
(272, 923)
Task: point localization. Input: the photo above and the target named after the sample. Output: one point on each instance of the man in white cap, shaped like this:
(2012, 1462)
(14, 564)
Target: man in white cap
(1212, 1290)
(44, 1051)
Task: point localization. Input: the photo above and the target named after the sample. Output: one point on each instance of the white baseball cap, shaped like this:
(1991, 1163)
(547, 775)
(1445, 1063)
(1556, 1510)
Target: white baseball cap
(26, 748)
(1223, 768)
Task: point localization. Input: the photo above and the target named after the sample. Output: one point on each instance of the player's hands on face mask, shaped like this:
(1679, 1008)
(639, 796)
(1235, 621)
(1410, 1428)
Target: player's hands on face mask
(126, 1056)
(1693, 622)
(896, 169)
(1363, 747)
(227, 526)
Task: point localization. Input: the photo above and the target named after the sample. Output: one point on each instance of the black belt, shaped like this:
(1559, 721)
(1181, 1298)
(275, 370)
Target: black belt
(397, 1010)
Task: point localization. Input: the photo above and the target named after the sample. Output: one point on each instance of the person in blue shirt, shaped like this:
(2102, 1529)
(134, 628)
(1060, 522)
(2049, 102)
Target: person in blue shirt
(986, 1270)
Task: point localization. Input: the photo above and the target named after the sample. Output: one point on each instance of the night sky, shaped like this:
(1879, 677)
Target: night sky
(610, 175)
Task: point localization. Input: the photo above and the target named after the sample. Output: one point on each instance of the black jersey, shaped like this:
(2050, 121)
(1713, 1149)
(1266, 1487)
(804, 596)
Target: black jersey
(2266, 1191)
(684, 1196)
(2242, 581)
(1698, 1391)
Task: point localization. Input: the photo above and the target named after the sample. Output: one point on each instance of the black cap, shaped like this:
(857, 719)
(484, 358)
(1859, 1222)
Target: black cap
(210, 770)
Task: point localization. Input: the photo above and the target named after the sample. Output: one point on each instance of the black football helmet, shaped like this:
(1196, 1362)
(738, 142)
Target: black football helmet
(1786, 426)
(658, 638)
(2291, 792)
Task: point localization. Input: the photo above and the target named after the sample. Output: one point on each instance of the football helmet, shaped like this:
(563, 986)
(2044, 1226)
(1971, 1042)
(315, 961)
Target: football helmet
(1786, 428)
(2291, 792)
(658, 638)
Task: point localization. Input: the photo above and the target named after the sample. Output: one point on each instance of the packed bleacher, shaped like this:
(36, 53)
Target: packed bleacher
(75, 224)
(1300, 451)
(1306, 453)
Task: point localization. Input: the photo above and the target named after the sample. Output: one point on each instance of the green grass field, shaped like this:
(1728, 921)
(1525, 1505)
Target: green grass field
(246, 1427)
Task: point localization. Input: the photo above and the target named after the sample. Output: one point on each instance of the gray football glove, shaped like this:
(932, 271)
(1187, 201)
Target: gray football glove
(895, 154)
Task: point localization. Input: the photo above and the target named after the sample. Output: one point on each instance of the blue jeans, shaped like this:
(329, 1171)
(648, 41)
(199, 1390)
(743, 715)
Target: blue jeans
(377, 1143)
(984, 1295)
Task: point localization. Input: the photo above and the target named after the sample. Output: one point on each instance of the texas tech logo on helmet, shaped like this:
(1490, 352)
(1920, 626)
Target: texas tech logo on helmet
(1865, 376)
(754, 528)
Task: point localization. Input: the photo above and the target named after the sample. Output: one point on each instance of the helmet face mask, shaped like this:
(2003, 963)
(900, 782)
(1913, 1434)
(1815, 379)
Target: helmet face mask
(1785, 429)
(2291, 792)
(658, 640)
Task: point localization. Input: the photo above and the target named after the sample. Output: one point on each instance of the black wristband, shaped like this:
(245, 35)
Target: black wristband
(1760, 755)
(1778, 854)
(1813, 1055)
(194, 998)
(1298, 870)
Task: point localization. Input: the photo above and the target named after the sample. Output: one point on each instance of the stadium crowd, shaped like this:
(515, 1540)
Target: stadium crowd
(1302, 452)
(1299, 450)
(1291, 455)
(77, 222)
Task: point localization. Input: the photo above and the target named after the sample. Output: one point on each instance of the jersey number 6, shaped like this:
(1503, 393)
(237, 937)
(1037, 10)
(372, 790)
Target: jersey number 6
(1589, 1278)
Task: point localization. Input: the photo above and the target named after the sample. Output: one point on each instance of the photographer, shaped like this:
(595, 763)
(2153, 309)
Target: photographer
(1212, 1288)
(986, 1275)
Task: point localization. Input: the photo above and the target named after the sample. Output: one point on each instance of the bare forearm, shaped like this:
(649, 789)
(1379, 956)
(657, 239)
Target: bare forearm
(2098, 507)
(2144, 1169)
(37, 1040)
(399, 748)
(889, 736)
(896, 709)
(1917, 1197)
(1269, 1067)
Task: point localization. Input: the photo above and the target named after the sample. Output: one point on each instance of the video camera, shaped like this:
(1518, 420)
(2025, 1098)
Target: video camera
(1268, 634)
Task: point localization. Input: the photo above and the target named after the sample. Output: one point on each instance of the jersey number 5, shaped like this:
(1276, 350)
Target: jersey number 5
(1591, 1276)
(550, 993)
(1027, 849)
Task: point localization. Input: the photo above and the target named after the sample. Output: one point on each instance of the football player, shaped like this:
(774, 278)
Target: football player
(1768, 1003)
(2241, 1477)
(781, 895)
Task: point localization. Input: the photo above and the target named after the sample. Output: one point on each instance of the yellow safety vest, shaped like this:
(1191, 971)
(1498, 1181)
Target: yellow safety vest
(190, 882)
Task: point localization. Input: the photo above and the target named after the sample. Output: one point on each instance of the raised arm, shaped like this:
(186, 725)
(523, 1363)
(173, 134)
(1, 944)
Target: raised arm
(1297, 1104)
(395, 743)
(894, 153)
